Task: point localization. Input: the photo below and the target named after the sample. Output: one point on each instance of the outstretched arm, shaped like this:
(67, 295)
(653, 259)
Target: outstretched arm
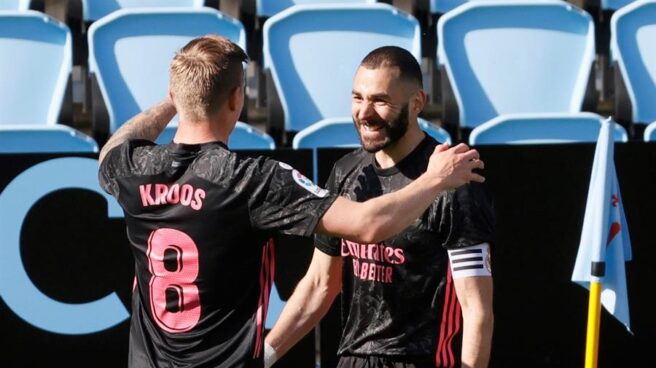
(145, 125)
(381, 217)
(475, 297)
(308, 304)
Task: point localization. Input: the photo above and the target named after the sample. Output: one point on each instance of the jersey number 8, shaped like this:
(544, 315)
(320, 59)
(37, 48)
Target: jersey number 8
(173, 262)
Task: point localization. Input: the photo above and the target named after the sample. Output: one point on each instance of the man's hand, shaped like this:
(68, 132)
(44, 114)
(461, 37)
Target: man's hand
(145, 125)
(454, 166)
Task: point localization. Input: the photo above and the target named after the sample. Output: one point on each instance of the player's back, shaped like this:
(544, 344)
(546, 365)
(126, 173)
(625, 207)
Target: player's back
(199, 219)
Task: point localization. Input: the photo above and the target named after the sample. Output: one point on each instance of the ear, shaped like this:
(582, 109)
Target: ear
(169, 96)
(418, 101)
(233, 98)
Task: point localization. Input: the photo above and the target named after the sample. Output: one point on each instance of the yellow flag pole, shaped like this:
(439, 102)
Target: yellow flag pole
(594, 316)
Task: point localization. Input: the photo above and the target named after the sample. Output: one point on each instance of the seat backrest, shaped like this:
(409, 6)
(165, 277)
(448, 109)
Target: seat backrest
(650, 132)
(44, 139)
(313, 52)
(243, 136)
(96, 9)
(542, 129)
(130, 52)
(443, 6)
(505, 57)
(340, 132)
(35, 65)
(614, 4)
(15, 4)
(633, 46)
(267, 8)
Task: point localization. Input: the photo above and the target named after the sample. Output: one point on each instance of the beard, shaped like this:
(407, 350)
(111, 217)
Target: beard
(390, 131)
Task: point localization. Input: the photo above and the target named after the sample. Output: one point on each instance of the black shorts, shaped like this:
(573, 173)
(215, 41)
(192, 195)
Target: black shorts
(350, 361)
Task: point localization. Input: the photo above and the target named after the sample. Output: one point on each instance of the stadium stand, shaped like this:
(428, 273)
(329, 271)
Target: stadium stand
(34, 73)
(339, 132)
(129, 55)
(243, 136)
(614, 4)
(633, 36)
(495, 54)
(267, 8)
(311, 53)
(38, 139)
(548, 129)
(650, 133)
(95, 9)
(443, 6)
(14, 4)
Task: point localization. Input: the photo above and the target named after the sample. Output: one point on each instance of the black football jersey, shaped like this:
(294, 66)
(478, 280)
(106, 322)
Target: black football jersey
(199, 219)
(398, 297)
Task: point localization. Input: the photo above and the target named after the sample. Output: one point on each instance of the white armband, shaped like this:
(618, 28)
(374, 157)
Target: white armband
(471, 261)
(270, 355)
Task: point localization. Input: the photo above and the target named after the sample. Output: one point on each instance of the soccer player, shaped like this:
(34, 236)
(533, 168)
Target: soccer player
(399, 296)
(199, 217)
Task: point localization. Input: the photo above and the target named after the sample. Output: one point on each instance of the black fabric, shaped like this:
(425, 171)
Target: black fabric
(373, 361)
(393, 296)
(199, 218)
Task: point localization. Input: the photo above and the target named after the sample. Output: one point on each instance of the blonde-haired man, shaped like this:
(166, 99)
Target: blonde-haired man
(199, 217)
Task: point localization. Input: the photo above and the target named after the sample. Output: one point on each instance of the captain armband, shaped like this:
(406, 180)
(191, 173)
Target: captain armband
(471, 261)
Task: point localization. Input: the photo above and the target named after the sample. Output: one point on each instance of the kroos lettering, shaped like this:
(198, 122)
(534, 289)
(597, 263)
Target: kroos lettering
(162, 194)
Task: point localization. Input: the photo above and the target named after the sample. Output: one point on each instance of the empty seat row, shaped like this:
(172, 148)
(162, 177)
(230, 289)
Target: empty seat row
(488, 80)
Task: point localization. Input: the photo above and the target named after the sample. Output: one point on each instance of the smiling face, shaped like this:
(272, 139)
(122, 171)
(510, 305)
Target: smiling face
(380, 106)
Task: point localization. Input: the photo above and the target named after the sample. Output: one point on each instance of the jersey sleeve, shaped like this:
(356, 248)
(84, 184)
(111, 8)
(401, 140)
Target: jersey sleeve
(116, 164)
(285, 200)
(111, 167)
(326, 243)
(468, 217)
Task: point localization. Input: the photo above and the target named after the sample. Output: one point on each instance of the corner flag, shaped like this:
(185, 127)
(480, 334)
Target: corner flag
(605, 240)
(605, 245)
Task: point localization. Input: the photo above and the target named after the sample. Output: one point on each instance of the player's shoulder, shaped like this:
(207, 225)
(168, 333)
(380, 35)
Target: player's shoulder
(130, 156)
(352, 160)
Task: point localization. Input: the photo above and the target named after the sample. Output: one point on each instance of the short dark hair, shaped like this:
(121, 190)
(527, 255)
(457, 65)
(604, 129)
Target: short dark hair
(393, 56)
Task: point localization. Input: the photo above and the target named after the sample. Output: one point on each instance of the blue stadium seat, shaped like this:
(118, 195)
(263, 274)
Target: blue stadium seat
(633, 40)
(44, 139)
(130, 52)
(15, 4)
(267, 8)
(650, 132)
(313, 51)
(614, 4)
(34, 67)
(443, 6)
(542, 129)
(243, 136)
(340, 133)
(505, 57)
(95, 9)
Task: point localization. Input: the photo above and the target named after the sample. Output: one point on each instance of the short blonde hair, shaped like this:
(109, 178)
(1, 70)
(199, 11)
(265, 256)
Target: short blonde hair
(204, 73)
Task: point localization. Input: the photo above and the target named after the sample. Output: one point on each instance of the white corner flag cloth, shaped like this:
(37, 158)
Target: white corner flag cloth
(605, 235)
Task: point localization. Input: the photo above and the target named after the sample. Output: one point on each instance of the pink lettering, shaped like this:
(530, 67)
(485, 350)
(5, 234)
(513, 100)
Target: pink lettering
(398, 252)
(388, 275)
(356, 267)
(146, 199)
(160, 193)
(186, 194)
(372, 272)
(388, 255)
(173, 196)
(363, 270)
(197, 203)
